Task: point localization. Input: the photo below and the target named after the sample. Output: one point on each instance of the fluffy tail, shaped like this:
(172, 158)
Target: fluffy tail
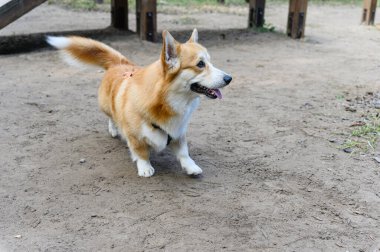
(83, 50)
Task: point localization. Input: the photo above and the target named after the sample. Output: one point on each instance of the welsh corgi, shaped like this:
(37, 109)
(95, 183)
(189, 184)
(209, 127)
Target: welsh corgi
(150, 107)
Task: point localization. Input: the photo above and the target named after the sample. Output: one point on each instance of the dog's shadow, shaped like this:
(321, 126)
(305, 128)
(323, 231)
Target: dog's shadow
(165, 163)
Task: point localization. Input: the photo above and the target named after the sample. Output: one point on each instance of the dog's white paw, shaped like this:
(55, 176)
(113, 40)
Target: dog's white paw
(194, 170)
(146, 171)
(144, 168)
(112, 129)
(190, 167)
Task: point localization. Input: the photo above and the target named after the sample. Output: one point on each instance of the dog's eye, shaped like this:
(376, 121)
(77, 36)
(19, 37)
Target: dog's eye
(201, 64)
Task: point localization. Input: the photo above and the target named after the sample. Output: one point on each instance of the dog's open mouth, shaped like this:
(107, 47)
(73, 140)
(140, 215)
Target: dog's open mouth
(209, 92)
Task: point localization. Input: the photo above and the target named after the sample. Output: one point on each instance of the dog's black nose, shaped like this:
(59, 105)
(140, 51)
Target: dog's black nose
(227, 79)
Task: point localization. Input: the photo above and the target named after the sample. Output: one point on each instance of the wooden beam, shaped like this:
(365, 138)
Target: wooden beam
(119, 14)
(14, 9)
(369, 11)
(256, 13)
(146, 19)
(297, 18)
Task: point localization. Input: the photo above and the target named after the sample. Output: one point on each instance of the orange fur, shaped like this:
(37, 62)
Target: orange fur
(135, 97)
(95, 53)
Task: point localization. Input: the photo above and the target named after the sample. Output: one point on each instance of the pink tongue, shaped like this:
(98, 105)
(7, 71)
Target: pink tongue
(218, 93)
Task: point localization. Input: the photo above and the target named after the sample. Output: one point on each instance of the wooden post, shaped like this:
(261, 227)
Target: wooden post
(146, 19)
(369, 11)
(119, 14)
(14, 9)
(297, 18)
(256, 13)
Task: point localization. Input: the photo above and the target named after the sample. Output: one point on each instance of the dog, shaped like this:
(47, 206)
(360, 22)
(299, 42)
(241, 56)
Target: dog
(150, 107)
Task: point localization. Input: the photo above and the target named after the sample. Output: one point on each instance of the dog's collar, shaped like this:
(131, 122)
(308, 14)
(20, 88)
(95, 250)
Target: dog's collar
(158, 127)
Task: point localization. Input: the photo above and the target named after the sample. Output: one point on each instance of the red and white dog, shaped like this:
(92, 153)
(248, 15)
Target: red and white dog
(151, 106)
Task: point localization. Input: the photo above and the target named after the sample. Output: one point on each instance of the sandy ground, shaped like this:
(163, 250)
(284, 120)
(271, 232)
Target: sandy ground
(54, 18)
(274, 177)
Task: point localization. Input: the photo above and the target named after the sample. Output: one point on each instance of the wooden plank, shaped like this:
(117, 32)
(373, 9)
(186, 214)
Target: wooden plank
(297, 18)
(369, 11)
(256, 13)
(119, 14)
(146, 19)
(14, 9)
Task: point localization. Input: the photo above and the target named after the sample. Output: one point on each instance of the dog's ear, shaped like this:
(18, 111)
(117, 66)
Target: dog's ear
(169, 54)
(194, 36)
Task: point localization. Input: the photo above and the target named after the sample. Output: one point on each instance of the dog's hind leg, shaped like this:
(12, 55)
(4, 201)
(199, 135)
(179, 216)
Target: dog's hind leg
(112, 129)
(181, 150)
(140, 153)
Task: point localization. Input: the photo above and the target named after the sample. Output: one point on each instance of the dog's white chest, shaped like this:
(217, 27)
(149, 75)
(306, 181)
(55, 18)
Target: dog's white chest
(177, 126)
(157, 138)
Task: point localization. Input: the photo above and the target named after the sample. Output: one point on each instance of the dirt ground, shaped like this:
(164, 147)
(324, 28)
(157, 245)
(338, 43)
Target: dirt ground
(274, 176)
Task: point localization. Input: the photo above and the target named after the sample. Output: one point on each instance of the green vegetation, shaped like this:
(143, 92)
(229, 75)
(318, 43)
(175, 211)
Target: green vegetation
(91, 4)
(200, 2)
(372, 129)
(350, 144)
(364, 138)
(76, 4)
(339, 97)
(186, 20)
(265, 28)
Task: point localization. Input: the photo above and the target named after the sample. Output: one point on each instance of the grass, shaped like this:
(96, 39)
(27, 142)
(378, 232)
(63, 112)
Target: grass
(350, 144)
(366, 130)
(76, 4)
(339, 97)
(91, 5)
(364, 138)
(186, 20)
(265, 28)
(163, 4)
(200, 2)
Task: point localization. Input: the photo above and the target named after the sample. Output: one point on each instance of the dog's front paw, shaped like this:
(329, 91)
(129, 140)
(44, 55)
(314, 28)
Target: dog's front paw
(194, 170)
(112, 129)
(146, 172)
(144, 168)
(190, 167)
